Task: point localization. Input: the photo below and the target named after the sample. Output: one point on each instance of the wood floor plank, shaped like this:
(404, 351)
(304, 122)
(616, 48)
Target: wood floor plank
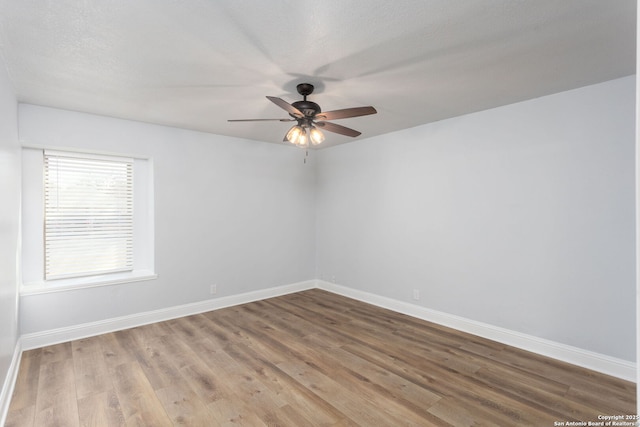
(291, 416)
(21, 417)
(233, 413)
(114, 352)
(200, 376)
(23, 403)
(246, 386)
(155, 362)
(56, 353)
(26, 387)
(184, 407)
(91, 373)
(462, 414)
(101, 409)
(309, 358)
(56, 401)
(139, 403)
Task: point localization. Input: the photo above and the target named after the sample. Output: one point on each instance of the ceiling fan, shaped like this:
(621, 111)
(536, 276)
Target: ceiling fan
(309, 118)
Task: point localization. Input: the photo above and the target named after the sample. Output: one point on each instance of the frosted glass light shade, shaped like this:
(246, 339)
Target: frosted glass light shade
(303, 141)
(316, 136)
(294, 134)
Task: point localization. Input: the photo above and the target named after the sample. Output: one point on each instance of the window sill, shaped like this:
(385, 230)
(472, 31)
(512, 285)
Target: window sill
(44, 287)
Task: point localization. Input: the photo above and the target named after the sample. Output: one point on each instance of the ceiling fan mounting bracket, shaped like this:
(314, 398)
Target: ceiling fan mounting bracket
(305, 89)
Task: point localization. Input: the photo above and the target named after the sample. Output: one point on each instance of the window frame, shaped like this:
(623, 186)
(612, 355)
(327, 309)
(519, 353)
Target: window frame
(88, 214)
(32, 228)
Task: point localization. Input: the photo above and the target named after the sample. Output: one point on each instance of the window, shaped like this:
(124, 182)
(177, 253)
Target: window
(88, 209)
(87, 220)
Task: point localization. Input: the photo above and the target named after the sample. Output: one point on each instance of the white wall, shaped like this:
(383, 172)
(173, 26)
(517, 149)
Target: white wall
(230, 212)
(9, 225)
(520, 217)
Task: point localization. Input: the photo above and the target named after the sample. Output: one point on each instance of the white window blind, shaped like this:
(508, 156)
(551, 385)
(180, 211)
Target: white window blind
(88, 214)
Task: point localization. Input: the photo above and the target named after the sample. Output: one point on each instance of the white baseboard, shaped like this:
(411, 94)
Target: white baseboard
(598, 362)
(57, 336)
(588, 359)
(10, 383)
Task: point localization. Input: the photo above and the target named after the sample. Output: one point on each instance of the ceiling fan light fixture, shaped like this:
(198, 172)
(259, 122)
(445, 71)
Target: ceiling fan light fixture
(316, 135)
(303, 140)
(294, 134)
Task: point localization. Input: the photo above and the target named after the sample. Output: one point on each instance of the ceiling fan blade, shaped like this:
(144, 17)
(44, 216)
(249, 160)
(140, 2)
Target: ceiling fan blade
(342, 130)
(260, 120)
(286, 106)
(346, 113)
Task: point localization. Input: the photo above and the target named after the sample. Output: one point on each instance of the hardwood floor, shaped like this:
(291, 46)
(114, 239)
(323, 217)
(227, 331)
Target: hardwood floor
(306, 359)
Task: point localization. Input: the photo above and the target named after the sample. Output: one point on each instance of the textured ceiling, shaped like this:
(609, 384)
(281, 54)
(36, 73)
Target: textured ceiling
(195, 64)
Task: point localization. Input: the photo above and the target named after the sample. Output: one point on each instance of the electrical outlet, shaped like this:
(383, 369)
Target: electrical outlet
(213, 289)
(416, 294)
(333, 279)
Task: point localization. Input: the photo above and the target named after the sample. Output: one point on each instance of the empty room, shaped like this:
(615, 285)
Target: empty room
(318, 213)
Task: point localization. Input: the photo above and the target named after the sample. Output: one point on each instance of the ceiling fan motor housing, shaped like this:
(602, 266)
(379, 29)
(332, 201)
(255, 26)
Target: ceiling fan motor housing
(308, 108)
